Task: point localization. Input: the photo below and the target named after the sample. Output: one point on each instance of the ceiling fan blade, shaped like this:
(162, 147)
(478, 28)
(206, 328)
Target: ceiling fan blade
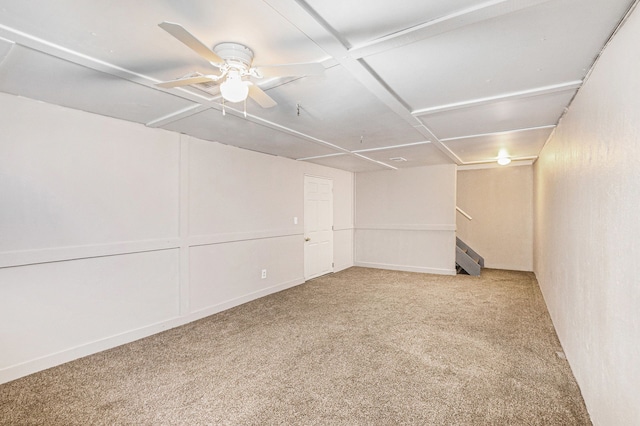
(179, 32)
(184, 81)
(291, 70)
(261, 97)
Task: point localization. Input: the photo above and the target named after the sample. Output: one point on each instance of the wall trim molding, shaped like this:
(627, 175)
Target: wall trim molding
(338, 268)
(406, 268)
(58, 254)
(407, 227)
(343, 228)
(232, 237)
(515, 162)
(17, 371)
(228, 304)
(10, 259)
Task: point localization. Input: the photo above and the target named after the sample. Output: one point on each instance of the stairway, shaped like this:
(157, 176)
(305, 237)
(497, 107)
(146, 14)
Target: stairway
(467, 260)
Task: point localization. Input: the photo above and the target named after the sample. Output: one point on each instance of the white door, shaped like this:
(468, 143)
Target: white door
(318, 227)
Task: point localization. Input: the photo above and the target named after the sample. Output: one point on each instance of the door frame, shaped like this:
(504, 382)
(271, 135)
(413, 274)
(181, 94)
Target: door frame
(304, 202)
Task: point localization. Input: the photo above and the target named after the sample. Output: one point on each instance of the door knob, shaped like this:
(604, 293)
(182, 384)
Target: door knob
(307, 239)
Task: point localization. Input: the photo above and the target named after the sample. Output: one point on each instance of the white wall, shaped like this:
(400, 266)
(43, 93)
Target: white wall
(587, 232)
(500, 201)
(405, 219)
(112, 231)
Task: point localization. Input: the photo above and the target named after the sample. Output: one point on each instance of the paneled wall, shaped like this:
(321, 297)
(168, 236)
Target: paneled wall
(111, 231)
(500, 201)
(587, 232)
(405, 219)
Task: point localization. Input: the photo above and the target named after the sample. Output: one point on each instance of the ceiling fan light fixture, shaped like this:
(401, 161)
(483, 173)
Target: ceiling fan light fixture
(234, 52)
(234, 89)
(234, 62)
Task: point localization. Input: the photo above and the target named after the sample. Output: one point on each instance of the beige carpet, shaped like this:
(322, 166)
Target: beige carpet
(362, 346)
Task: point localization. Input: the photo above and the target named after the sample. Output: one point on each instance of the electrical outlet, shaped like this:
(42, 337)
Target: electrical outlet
(295, 220)
(264, 274)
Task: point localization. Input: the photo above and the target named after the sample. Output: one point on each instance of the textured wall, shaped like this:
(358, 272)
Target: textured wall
(111, 231)
(500, 201)
(587, 229)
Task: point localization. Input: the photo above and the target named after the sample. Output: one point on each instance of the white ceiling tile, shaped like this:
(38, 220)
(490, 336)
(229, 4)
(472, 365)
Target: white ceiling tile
(500, 116)
(379, 18)
(128, 34)
(102, 57)
(348, 162)
(518, 144)
(555, 42)
(211, 125)
(35, 75)
(5, 48)
(425, 154)
(337, 109)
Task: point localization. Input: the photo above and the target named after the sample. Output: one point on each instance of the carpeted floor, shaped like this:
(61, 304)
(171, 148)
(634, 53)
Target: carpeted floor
(362, 346)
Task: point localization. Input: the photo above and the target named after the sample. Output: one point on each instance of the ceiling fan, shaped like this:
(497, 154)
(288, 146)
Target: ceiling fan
(234, 63)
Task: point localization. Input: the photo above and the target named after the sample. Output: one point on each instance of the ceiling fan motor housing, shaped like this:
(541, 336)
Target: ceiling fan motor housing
(236, 55)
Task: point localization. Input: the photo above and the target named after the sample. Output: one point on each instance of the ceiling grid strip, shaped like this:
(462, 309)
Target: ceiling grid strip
(301, 15)
(469, 16)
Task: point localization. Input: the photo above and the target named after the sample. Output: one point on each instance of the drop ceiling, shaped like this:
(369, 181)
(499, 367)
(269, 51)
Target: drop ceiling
(406, 84)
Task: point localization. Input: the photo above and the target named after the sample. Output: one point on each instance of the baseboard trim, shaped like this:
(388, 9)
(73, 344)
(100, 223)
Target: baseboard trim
(406, 268)
(48, 361)
(339, 268)
(223, 306)
(17, 371)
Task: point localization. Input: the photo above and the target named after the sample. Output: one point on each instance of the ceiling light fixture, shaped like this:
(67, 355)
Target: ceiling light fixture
(503, 157)
(234, 89)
